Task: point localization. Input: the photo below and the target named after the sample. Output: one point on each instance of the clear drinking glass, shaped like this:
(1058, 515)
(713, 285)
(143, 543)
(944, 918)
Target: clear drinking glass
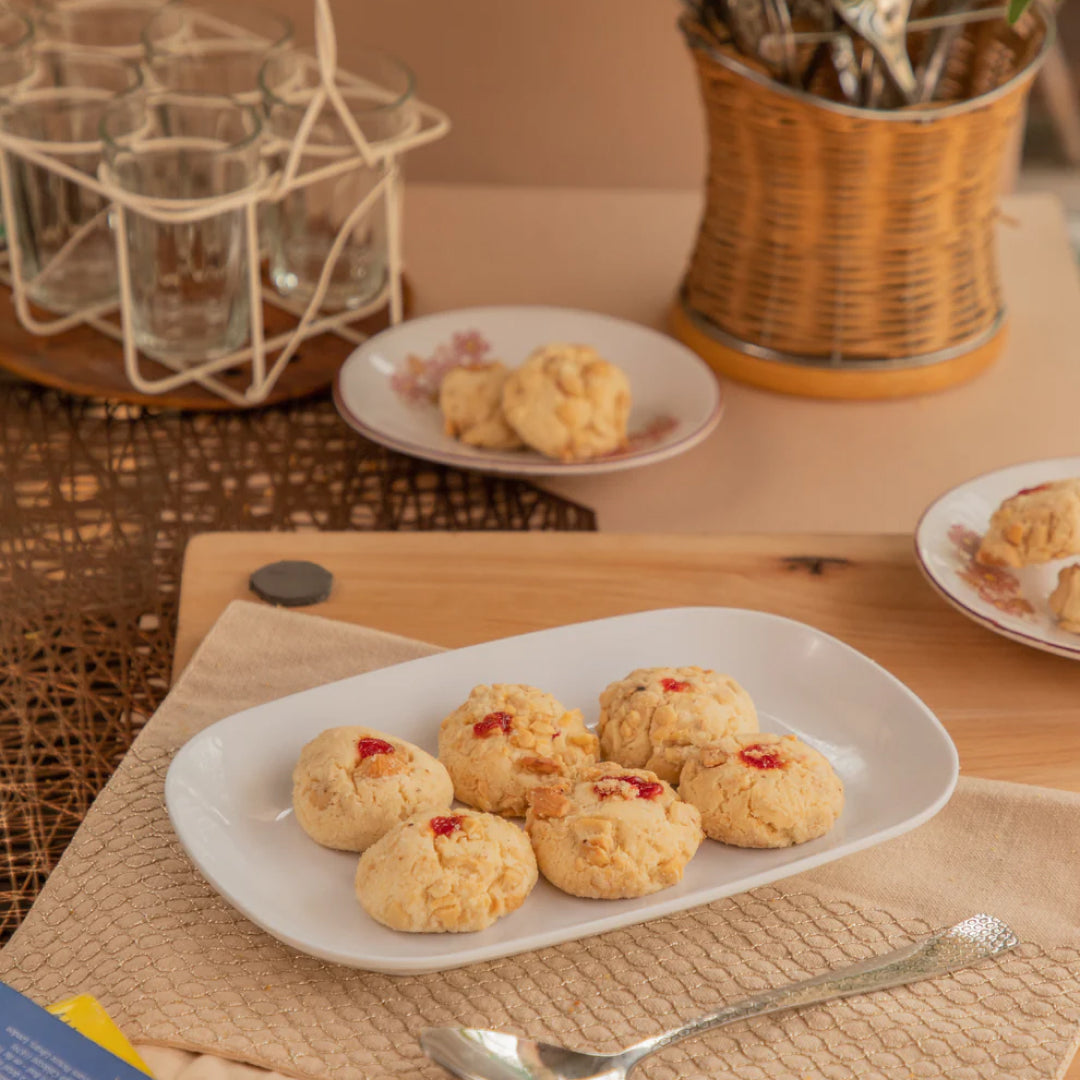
(305, 223)
(201, 47)
(111, 26)
(189, 281)
(194, 45)
(16, 62)
(66, 247)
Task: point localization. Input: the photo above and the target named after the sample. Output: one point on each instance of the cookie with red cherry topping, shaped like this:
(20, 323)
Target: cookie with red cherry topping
(612, 833)
(509, 738)
(353, 784)
(454, 872)
(763, 791)
(654, 717)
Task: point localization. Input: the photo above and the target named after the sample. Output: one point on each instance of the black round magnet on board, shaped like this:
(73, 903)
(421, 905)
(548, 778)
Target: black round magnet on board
(291, 583)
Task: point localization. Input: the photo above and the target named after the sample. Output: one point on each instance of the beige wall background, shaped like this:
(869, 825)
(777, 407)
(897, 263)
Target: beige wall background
(595, 93)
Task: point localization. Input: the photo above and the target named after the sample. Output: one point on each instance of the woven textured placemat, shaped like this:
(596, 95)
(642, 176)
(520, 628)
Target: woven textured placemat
(126, 917)
(96, 506)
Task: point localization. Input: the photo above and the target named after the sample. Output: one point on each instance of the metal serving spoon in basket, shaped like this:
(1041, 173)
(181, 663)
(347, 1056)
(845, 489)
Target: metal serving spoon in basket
(475, 1054)
(883, 25)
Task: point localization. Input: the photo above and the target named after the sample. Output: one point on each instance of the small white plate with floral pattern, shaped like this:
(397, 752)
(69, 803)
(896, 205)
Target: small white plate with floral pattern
(1009, 602)
(388, 388)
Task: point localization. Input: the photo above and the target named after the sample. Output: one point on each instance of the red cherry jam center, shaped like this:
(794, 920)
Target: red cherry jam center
(646, 789)
(444, 826)
(494, 721)
(370, 747)
(674, 686)
(1032, 490)
(761, 757)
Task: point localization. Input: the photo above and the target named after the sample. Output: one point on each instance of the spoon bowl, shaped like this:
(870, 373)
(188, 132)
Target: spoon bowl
(495, 1055)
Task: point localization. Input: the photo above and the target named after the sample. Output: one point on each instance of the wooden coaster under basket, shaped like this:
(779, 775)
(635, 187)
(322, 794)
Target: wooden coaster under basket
(850, 252)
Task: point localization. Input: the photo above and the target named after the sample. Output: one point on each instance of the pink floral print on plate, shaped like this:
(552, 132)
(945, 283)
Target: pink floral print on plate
(418, 380)
(994, 584)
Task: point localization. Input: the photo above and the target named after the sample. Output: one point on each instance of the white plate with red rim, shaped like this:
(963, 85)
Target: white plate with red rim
(229, 789)
(387, 389)
(1013, 603)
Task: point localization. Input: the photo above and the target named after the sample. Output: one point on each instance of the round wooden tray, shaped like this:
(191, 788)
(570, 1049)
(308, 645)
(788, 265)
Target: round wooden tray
(87, 363)
(802, 380)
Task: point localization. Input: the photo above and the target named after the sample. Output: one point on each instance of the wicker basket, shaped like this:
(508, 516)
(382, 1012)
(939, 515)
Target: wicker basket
(850, 252)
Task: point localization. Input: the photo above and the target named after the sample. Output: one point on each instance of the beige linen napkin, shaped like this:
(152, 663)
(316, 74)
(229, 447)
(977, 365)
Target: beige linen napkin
(125, 917)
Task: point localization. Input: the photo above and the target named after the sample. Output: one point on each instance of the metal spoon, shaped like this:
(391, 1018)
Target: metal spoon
(846, 63)
(933, 66)
(475, 1054)
(779, 18)
(882, 24)
(748, 22)
(873, 79)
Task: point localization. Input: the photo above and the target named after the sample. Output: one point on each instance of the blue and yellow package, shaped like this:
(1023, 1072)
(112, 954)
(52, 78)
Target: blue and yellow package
(85, 1014)
(35, 1045)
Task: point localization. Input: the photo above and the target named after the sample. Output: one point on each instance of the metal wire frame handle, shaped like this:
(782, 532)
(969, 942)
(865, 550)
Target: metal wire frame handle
(426, 125)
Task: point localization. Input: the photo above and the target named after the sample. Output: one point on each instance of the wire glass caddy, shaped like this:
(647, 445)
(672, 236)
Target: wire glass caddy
(264, 357)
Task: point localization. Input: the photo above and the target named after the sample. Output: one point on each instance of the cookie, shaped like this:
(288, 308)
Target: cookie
(655, 716)
(568, 402)
(763, 791)
(612, 833)
(352, 784)
(455, 872)
(507, 739)
(1065, 599)
(471, 402)
(1035, 525)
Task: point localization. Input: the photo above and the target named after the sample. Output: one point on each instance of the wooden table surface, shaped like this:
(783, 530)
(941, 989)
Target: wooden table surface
(1014, 712)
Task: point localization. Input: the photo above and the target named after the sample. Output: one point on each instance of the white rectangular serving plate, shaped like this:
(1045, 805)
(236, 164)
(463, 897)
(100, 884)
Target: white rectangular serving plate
(229, 790)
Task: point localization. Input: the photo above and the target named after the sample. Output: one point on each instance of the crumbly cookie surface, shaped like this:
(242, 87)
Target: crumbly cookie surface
(454, 872)
(655, 717)
(612, 832)
(353, 784)
(568, 402)
(471, 402)
(1036, 525)
(763, 791)
(1065, 599)
(506, 739)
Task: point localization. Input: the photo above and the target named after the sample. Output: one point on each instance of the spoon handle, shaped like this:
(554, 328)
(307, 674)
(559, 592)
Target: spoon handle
(975, 939)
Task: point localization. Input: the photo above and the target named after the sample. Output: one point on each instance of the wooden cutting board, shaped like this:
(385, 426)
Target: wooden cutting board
(1013, 712)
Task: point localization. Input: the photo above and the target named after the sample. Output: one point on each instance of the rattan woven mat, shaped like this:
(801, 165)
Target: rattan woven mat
(126, 917)
(96, 505)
